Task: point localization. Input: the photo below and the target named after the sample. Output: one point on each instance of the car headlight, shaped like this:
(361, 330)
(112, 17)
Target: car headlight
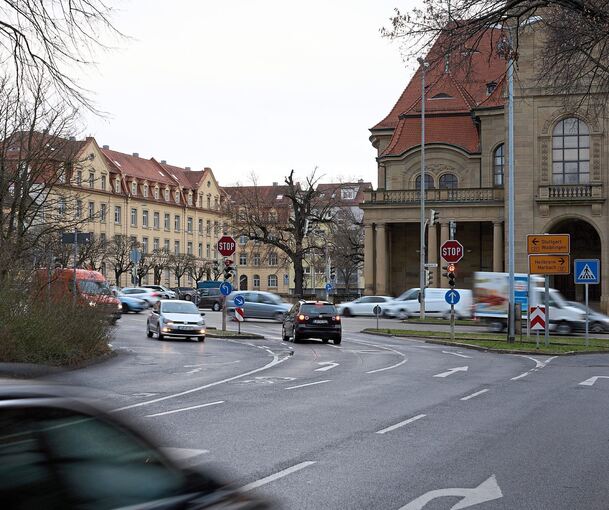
(201, 323)
(168, 323)
(120, 306)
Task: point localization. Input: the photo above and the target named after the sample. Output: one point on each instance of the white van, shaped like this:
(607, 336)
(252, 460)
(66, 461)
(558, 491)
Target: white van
(407, 305)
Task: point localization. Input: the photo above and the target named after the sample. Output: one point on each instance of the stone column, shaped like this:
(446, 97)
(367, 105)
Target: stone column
(498, 246)
(443, 237)
(432, 253)
(369, 259)
(381, 259)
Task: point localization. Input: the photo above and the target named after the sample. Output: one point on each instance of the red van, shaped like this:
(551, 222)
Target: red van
(91, 288)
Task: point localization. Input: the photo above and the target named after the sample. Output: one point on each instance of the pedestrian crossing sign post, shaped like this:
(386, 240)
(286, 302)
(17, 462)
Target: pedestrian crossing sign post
(587, 272)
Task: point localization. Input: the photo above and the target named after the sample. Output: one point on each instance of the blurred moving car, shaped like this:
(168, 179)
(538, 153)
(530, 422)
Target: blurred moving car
(176, 318)
(58, 452)
(165, 292)
(408, 305)
(259, 305)
(597, 322)
(150, 296)
(186, 293)
(131, 303)
(312, 319)
(363, 306)
(210, 298)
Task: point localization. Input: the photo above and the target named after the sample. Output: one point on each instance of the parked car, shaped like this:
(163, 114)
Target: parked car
(597, 322)
(363, 306)
(58, 451)
(259, 305)
(150, 296)
(176, 318)
(187, 293)
(408, 305)
(131, 303)
(312, 319)
(210, 298)
(165, 292)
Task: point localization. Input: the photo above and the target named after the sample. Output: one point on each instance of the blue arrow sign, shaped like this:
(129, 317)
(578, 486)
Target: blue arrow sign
(452, 297)
(225, 288)
(239, 300)
(329, 287)
(587, 271)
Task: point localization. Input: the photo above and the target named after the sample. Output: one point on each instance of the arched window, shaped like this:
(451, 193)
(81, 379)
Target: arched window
(256, 281)
(498, 164)
(449, 181)
(429, 184)
(571, 152)
(243, 282)
(272, 280)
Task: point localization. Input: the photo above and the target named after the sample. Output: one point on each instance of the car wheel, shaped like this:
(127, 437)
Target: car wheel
(325, 340)
(402, 315)
(295, 338)
(496, 326)
(188, 297)
(564, 328)
(337, 341)
(278, 316)
(159, 335)
(596, 327)
(126, 308)
(347, 312)
(148, 332)
(216, 307)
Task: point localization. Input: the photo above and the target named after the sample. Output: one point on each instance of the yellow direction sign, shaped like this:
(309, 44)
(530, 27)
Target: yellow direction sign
(549, 264)
(548, 243)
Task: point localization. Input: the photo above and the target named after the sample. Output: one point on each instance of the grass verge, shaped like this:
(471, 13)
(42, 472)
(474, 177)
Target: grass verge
(443, 322)
(558, 344)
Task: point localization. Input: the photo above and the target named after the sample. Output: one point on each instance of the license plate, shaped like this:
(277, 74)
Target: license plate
(320, 322)
(183, 327)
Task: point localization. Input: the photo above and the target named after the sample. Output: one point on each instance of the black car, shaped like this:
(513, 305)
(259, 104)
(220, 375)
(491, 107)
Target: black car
(58, 453)
(312, 319)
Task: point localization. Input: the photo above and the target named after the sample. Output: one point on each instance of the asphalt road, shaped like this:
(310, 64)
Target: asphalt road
(376, 422)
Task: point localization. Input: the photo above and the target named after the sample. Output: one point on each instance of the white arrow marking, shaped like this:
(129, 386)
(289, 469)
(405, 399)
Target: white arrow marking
(452, 371)
(330, 364)
(592, 380)
(456, 354)
(486, 491)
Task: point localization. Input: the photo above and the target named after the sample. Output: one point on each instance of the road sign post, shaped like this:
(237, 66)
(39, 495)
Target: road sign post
(452, 297)
(239, 317)
(377, 310)
(225, 289)
(538, 320)
(587, 272)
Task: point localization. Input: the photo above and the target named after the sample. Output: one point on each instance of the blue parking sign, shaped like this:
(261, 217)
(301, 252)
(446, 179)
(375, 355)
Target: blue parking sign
(587, 271)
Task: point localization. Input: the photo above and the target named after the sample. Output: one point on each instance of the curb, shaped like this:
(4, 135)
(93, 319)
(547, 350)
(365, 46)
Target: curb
(242, 336)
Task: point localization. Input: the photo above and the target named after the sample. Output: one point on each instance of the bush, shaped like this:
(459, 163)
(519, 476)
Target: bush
(57, 333)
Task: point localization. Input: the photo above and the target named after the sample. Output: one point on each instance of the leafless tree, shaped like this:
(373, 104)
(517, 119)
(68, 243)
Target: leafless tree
(143, 266)
(53, 39)
(346, 245)
(180, 264)
(160, 261)
(574, 56)
(198, 269)
(119, 255)
(282, 223)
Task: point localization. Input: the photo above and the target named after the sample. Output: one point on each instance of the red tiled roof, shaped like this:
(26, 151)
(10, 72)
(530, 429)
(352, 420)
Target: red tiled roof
(140, 168)
(273, 196)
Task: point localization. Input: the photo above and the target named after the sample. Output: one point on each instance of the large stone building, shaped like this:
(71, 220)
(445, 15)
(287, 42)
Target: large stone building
(561, 172)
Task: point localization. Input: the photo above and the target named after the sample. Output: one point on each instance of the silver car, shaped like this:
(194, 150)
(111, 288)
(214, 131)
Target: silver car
(150, 296)
(162, 290)
(259, 305)
(176, 318)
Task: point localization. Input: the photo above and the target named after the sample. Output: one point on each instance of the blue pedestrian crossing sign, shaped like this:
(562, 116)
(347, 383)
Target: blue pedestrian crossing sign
(587, 271)
(452, 297)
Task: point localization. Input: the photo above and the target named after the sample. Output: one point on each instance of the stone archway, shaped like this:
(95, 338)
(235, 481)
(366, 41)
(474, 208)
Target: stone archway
(585, 244)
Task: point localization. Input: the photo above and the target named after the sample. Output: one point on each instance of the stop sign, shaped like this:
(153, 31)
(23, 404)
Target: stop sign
(226, 246)
(451, 251)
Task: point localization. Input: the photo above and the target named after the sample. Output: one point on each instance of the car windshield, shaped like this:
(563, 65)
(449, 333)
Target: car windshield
(94, 287)
(318, 308)
(179, 308)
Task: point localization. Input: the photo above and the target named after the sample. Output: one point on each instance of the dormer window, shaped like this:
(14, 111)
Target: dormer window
(166, 194)
(156, 192)
(134, 188)
(442, 95)
(177, 196)
(145, 191)
(347, 194)
(117, 185)
(490, 87)
(190, 199)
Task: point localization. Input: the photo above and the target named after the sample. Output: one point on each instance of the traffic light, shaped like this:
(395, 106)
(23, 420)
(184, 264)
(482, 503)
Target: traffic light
(450, 274)
(332, 273)
(428, 278)
(434, 216)
(452, 229)
(228, 269)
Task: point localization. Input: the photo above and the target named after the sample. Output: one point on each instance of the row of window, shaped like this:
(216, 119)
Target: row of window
(273, 259)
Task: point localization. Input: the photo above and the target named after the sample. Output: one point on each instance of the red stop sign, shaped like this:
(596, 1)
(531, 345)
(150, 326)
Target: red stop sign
(451, 251)
(226, 246)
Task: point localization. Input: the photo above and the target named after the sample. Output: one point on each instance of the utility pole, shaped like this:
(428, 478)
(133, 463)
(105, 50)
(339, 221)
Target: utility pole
(510, 73)
(424, 65)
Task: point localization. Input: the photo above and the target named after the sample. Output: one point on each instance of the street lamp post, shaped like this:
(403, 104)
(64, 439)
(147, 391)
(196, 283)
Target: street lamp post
(424, 65)
(511, 252)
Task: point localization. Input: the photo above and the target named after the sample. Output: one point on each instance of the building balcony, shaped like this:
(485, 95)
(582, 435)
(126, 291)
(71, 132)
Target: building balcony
(455, 196)
(570, 193)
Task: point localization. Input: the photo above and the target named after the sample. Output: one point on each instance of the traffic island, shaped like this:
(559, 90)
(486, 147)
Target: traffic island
(497, 343)
(218, 333)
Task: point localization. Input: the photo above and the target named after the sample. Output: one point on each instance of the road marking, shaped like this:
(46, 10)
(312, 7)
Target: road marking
(538, 364)
(182, 453)
(329, 365)
(275, 361)
(452, 371)
(592, 380)
(520, 376)
(308, 384)
(185, 409)
(488, 490)
(387, 368)
(474, 395)
(456, 354)
(277, 476)
(401, 424)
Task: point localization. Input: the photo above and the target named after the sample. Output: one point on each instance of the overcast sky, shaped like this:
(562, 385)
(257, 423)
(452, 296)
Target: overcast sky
(247, 86)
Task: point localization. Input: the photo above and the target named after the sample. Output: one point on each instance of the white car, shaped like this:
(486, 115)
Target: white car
(162, 290)
(150, 296)
(175, 317)
(363, 306)
(408, 305)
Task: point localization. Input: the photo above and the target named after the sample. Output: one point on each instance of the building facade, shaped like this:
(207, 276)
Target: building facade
(561, 172)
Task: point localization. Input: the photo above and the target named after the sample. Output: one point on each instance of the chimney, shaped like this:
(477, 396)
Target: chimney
(187, 168)
(107, 147)
(360, 181)
(136, 155)
(163, 162)
(72, 138)
(275, 184)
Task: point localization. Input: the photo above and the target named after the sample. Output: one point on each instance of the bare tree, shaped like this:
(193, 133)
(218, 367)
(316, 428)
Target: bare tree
(180, 265)
(346, 245)
(119, 255)
(280, 217)
(160, 261)
(143, 266)
(198, 269)
(575, 44)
